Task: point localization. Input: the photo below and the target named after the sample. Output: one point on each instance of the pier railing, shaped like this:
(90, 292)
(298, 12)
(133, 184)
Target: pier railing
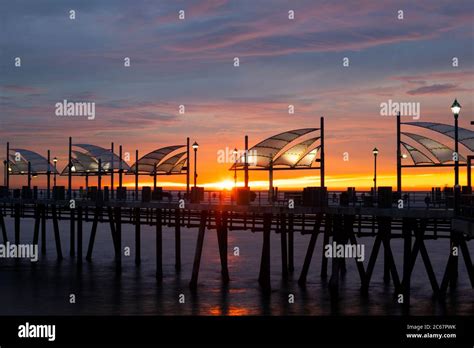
(411, 199)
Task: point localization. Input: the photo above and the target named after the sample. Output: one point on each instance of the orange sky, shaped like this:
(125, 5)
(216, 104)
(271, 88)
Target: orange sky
(413, 179)
(282, 62)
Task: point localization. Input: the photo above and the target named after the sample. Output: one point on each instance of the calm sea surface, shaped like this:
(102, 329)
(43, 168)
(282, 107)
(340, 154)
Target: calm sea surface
(44, 289)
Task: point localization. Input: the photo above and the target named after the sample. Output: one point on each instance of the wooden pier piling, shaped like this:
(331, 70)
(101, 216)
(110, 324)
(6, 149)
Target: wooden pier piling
(221, 232)
(57, 237)
(72, 233)
(291, 244)
(90, 248)
(79, 236)
(159, 245)
(17, 223)
(264, 277)
(137, 237)
(177, 240)
(198, 253)
(309, 252)
(118, 238)
(284, 247)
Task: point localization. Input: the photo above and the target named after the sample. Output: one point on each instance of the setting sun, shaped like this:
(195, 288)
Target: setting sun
(224, 185)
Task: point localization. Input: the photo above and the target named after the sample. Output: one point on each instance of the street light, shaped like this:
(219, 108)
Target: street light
(55, 161)
(235, 152)
(456, 108)
(375, 151)
(195, 147)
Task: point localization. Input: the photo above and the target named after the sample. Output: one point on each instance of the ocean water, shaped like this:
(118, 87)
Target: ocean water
(44, 288)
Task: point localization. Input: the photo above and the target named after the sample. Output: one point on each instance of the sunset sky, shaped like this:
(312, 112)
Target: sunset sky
(191, 62)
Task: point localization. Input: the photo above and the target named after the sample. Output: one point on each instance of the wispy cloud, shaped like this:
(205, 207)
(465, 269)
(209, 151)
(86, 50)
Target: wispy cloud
(435, 89)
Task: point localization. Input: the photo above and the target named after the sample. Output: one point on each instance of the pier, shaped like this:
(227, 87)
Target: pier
(383, 213)
(342, 222)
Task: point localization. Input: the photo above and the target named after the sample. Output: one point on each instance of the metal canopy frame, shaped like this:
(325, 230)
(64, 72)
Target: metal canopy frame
(29, 172)
(434, 165)
(183, 156)
(271, 168)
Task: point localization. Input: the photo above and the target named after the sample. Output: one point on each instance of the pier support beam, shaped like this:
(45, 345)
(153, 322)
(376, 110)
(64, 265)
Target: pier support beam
(406, 282)
(388, 256)
(336, 262)
(291, 243)
(57, 237)
(327, 234)
(79, 236)
(4, 229)
(17, 223)
(309, 252)
(72, 233)
(118, 238)
(198, 253)
(383, 236)
(264, 277)
(37, 225)
(419, 247)
(284, 247)
(349, 228)
(93, 233)
(110, 213)
(450, 273)
(177, 240)
(137, 237)
(43, 228)
(467, 260)
(159, 246)
(221, 229)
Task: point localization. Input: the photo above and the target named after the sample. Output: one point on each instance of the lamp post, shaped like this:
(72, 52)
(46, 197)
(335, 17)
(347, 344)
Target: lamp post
(375, 151)
(456, 108)
(55, 161)
(195, 148)
(235, 152)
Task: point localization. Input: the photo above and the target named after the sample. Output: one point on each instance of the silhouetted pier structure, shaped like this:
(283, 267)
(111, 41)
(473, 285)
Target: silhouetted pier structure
(383, 215)
(342, 223)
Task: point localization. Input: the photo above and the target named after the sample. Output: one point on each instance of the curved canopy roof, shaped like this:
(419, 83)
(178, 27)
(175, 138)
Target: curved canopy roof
(295, 156)
(268, 150)
(173, 165)
(109, 160)
(19, 158)
(441, 152)
(147, 163)
(82, 164)
(465, 136)
(308, 159)
(417, 156)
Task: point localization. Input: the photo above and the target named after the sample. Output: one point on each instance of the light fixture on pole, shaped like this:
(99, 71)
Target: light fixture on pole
(55, 161)
(375, 151)
(456, 108)
(195, 148)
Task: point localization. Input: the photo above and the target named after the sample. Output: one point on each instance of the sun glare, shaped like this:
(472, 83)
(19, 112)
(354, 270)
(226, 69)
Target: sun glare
(225, 185)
